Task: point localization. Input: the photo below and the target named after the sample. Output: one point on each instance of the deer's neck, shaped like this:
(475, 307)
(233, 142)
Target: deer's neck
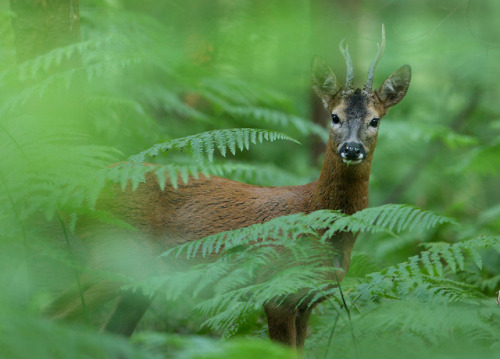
(340, 186)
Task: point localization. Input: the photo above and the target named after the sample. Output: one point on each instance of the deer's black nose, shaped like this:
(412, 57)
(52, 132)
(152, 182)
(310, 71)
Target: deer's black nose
(352, 151)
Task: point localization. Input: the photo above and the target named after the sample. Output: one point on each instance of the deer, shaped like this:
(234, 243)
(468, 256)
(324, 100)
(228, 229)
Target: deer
(205, 206)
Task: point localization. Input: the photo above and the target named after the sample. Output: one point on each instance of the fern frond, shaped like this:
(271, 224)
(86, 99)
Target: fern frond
(429, 270)
(390, 218)
(377, 219)
(230, 91)
(400, 217)
(413, 329)
(244, 253)
(277, 119)
(180, 170)
(37, 182)
(469, 247)
(204, 144)
(160, 98)
(32, 69)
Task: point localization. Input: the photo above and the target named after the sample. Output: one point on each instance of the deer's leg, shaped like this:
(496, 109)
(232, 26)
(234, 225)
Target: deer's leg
(127, 313)
(303, 314)
(281, 323)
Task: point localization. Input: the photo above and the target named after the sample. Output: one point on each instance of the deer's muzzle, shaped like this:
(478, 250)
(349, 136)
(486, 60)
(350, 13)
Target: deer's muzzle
(352, 152)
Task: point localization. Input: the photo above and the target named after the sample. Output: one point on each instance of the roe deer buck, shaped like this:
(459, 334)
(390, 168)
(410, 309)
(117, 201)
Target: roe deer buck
(206, 206)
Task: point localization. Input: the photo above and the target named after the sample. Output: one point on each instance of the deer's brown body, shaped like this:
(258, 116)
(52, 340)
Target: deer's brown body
(206, 206)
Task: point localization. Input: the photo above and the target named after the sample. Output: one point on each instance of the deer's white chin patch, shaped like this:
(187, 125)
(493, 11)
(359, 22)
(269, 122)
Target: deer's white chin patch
(352, 162)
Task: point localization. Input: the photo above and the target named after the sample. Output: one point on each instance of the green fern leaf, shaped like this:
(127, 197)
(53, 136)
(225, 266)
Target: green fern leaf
(207, 141)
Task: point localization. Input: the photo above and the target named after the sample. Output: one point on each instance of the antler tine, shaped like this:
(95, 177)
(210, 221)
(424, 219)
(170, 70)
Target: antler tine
(371, 73)
(349, 77)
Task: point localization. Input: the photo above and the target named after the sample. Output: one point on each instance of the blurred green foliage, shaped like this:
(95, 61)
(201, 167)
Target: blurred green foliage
(150, 73)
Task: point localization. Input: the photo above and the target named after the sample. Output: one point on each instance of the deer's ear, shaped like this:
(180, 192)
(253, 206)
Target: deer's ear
(324, 82)
(394, 87)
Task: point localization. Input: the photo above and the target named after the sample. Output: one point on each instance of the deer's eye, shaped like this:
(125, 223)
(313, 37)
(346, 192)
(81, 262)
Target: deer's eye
(335, 119)
(374, 122)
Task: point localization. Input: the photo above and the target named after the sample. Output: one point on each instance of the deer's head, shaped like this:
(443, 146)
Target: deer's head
(356, 113)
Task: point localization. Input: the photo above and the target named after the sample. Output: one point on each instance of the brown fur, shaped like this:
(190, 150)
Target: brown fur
(206, 206)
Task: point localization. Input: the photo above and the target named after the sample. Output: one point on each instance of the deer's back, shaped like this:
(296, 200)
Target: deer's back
(202, 207)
